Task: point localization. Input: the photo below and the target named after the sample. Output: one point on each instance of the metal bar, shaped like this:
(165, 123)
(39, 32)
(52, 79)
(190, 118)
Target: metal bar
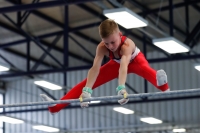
(195, 41)
(66, 37)
(28, 56)
(16, 53)
(44, 71)
(43, 42)
(48, 35)
(6, 60)
(66, 44)
(25, 40)
(185, 57)
(191, 2)
(193, 34)
(87, 51)
(108, 104)
(8, 27)
(34, 40)
(106, 98)
(84, 27)
(19, 15)
(61, 25)
(4, 102)
(36, 65)
(187, 17)
(29, 7)
(131, 88)
(145, 54)
(27, 13)
(95, 42)
(12, 43)
(171, 20)
(65, 82)
(195, 6)
(155, 15)
(45, 63)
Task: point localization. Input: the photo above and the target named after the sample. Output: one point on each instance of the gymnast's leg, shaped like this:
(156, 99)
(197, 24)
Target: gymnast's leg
(141, 67)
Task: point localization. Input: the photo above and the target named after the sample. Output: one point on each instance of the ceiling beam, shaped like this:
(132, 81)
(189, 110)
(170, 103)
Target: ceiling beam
(165, 8)
(89, 66)
(33, 6)
(6, 26)
(163, 20)
(45, 71)
(192, 34)
(25, 56)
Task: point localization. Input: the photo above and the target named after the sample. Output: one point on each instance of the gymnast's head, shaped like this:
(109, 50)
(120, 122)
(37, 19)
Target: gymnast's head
(110, 34)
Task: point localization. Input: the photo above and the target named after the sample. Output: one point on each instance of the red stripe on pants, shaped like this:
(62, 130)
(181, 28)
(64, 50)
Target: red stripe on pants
(110, 71)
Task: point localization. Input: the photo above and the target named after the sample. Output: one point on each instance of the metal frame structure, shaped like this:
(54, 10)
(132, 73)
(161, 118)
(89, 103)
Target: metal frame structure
(64, 67)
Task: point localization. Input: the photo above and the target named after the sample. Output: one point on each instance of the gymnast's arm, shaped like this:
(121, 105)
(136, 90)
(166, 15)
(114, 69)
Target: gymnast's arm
(94, 70)
(126, 50)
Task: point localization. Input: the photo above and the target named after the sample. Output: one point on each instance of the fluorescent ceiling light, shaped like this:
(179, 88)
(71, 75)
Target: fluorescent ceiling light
(47, 85)
(171, 45)
(10, 120)
(3, 68)
(94, 102)
(123, 110)
(46, 128)
(179, 130)
(125, 18)
(197, 66)
(151, 120)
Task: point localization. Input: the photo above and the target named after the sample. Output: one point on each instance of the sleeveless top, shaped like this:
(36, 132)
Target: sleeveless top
(134, 54)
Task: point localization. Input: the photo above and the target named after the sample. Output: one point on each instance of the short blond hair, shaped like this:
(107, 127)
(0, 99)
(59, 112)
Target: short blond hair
(107, 27)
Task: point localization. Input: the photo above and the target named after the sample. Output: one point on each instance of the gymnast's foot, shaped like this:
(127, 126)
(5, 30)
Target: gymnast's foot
(46, 98)
(161, 78)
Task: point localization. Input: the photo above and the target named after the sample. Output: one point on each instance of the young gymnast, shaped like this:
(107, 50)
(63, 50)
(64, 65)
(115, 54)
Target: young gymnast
(125, 58)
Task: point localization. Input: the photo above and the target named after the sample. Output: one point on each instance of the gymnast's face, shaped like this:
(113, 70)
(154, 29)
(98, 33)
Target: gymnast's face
(113, 41)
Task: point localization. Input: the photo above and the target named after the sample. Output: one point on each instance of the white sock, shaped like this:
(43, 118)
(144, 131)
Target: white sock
(167, 90)
(161, 77)
(46, 98)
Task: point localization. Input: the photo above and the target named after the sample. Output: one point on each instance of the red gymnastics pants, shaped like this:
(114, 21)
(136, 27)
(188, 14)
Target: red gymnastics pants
(108, 72)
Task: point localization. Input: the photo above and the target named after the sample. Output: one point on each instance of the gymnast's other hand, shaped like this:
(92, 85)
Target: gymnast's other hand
(122, 91)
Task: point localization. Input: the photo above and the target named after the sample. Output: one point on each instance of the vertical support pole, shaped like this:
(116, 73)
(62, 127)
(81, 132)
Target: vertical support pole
(4, 102)
(19, 15)
(171, 21)
(145, 54)
(66, 43)
(28, 56)
(187, 17)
